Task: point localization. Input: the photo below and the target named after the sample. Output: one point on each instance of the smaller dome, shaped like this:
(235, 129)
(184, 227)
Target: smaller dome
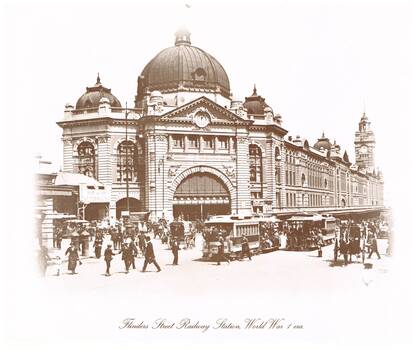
(322, 142)
(93, 95)
(255, 104)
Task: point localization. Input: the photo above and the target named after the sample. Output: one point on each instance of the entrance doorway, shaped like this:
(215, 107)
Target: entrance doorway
(121, 205)
(201, 195)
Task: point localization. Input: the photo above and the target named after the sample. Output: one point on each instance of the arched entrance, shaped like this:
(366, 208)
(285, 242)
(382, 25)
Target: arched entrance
(199, 195)
(121, 205)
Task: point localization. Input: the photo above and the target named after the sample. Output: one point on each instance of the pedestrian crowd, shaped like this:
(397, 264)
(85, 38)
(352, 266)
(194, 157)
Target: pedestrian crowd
(353, 239)
(126, 239)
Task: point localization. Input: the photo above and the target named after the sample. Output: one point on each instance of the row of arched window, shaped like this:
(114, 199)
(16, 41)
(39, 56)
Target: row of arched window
(127, 161)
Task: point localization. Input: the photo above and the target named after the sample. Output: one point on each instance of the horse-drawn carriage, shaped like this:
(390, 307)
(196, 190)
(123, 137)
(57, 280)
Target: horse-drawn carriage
(356, 242)
(309, 232)
(269, 237)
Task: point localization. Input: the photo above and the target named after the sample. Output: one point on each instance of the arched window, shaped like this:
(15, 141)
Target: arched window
(87, 159)
(127, 162)
(255, 164)
(303, 180)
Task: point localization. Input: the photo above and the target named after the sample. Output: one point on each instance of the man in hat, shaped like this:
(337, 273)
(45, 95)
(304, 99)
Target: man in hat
(98, 245)
(73, 258)
(127, 255)
(175, 249)
(134, 251)
(245, 248)
(149, 255)
(374, 248)
(108, 254)
(221, 256)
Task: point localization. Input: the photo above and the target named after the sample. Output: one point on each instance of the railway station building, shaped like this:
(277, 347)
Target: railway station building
(187, 147)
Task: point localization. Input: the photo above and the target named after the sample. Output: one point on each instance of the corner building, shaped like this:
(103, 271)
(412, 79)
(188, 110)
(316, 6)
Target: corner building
(188, 147)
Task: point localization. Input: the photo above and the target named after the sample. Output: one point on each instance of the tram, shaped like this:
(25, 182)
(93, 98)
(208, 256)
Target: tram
(232, 228)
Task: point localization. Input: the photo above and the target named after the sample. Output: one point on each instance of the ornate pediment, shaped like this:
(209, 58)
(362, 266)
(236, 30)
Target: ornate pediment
(202, 113)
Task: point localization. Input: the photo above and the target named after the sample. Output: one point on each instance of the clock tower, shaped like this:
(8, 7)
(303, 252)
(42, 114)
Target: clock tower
(364, 144)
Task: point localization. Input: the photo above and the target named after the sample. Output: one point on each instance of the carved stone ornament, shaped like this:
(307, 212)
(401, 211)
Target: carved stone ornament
(103, 139)
(161, 138)
(173, 170)
(229, 170)
(243, 139)
(67, 141)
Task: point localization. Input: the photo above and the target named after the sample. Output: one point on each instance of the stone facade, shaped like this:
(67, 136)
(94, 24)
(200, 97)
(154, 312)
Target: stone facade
(197, 156)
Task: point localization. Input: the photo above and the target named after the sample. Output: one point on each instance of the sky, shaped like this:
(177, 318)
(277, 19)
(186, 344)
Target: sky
(319, 64)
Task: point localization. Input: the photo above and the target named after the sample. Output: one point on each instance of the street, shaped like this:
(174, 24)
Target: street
(294, 271)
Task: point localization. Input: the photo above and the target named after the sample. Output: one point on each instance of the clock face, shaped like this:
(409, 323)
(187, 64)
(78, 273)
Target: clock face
(363, 149)
(201, 120)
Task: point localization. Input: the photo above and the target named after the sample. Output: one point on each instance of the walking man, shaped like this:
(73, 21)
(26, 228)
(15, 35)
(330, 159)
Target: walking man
(374, 248)
(221, 255)
(336, 247)
(127, 255)
(98, 245)
(149, 255)
(73, 258)
(134, 251)
(175, 248)
(108, 258)
(245, 248)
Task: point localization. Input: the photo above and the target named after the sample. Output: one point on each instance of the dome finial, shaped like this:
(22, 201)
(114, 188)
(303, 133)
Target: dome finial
(182, 37)
(254, 92)
(322, 135)
(98, 80)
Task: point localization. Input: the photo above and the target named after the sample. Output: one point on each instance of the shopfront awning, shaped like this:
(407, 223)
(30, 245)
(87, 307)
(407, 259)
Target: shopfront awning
(90, 190)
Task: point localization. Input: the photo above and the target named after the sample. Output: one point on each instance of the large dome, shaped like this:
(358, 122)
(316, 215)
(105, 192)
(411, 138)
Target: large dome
(183, 67)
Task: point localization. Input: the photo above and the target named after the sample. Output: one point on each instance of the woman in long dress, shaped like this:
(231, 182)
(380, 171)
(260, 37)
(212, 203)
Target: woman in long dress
(73, 258)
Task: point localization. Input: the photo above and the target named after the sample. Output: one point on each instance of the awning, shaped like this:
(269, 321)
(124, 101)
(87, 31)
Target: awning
(73, 179)
(306, 218)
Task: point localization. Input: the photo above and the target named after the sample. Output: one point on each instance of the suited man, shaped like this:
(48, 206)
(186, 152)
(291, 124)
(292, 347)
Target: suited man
(175, 249)
(127, 255)
(221, 255)
(245, 248)
(336, 247)
(98, 246)
(108, 258)
(134, 252)
(149, 255)
(374, 248)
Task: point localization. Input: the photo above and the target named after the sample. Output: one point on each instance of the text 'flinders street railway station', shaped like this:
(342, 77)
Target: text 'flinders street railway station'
(188, 148)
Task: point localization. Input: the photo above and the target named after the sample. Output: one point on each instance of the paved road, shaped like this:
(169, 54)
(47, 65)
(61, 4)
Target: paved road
(289, 270)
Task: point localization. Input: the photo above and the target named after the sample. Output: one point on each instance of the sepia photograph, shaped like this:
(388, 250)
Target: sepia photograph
(208, 174)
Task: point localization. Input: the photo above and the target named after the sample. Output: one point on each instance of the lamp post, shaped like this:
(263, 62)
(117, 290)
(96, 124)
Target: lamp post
(128, 169)
(127, 158)
(161, 163)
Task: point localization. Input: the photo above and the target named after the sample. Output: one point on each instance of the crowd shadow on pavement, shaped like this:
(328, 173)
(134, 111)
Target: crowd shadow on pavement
(340, 263)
